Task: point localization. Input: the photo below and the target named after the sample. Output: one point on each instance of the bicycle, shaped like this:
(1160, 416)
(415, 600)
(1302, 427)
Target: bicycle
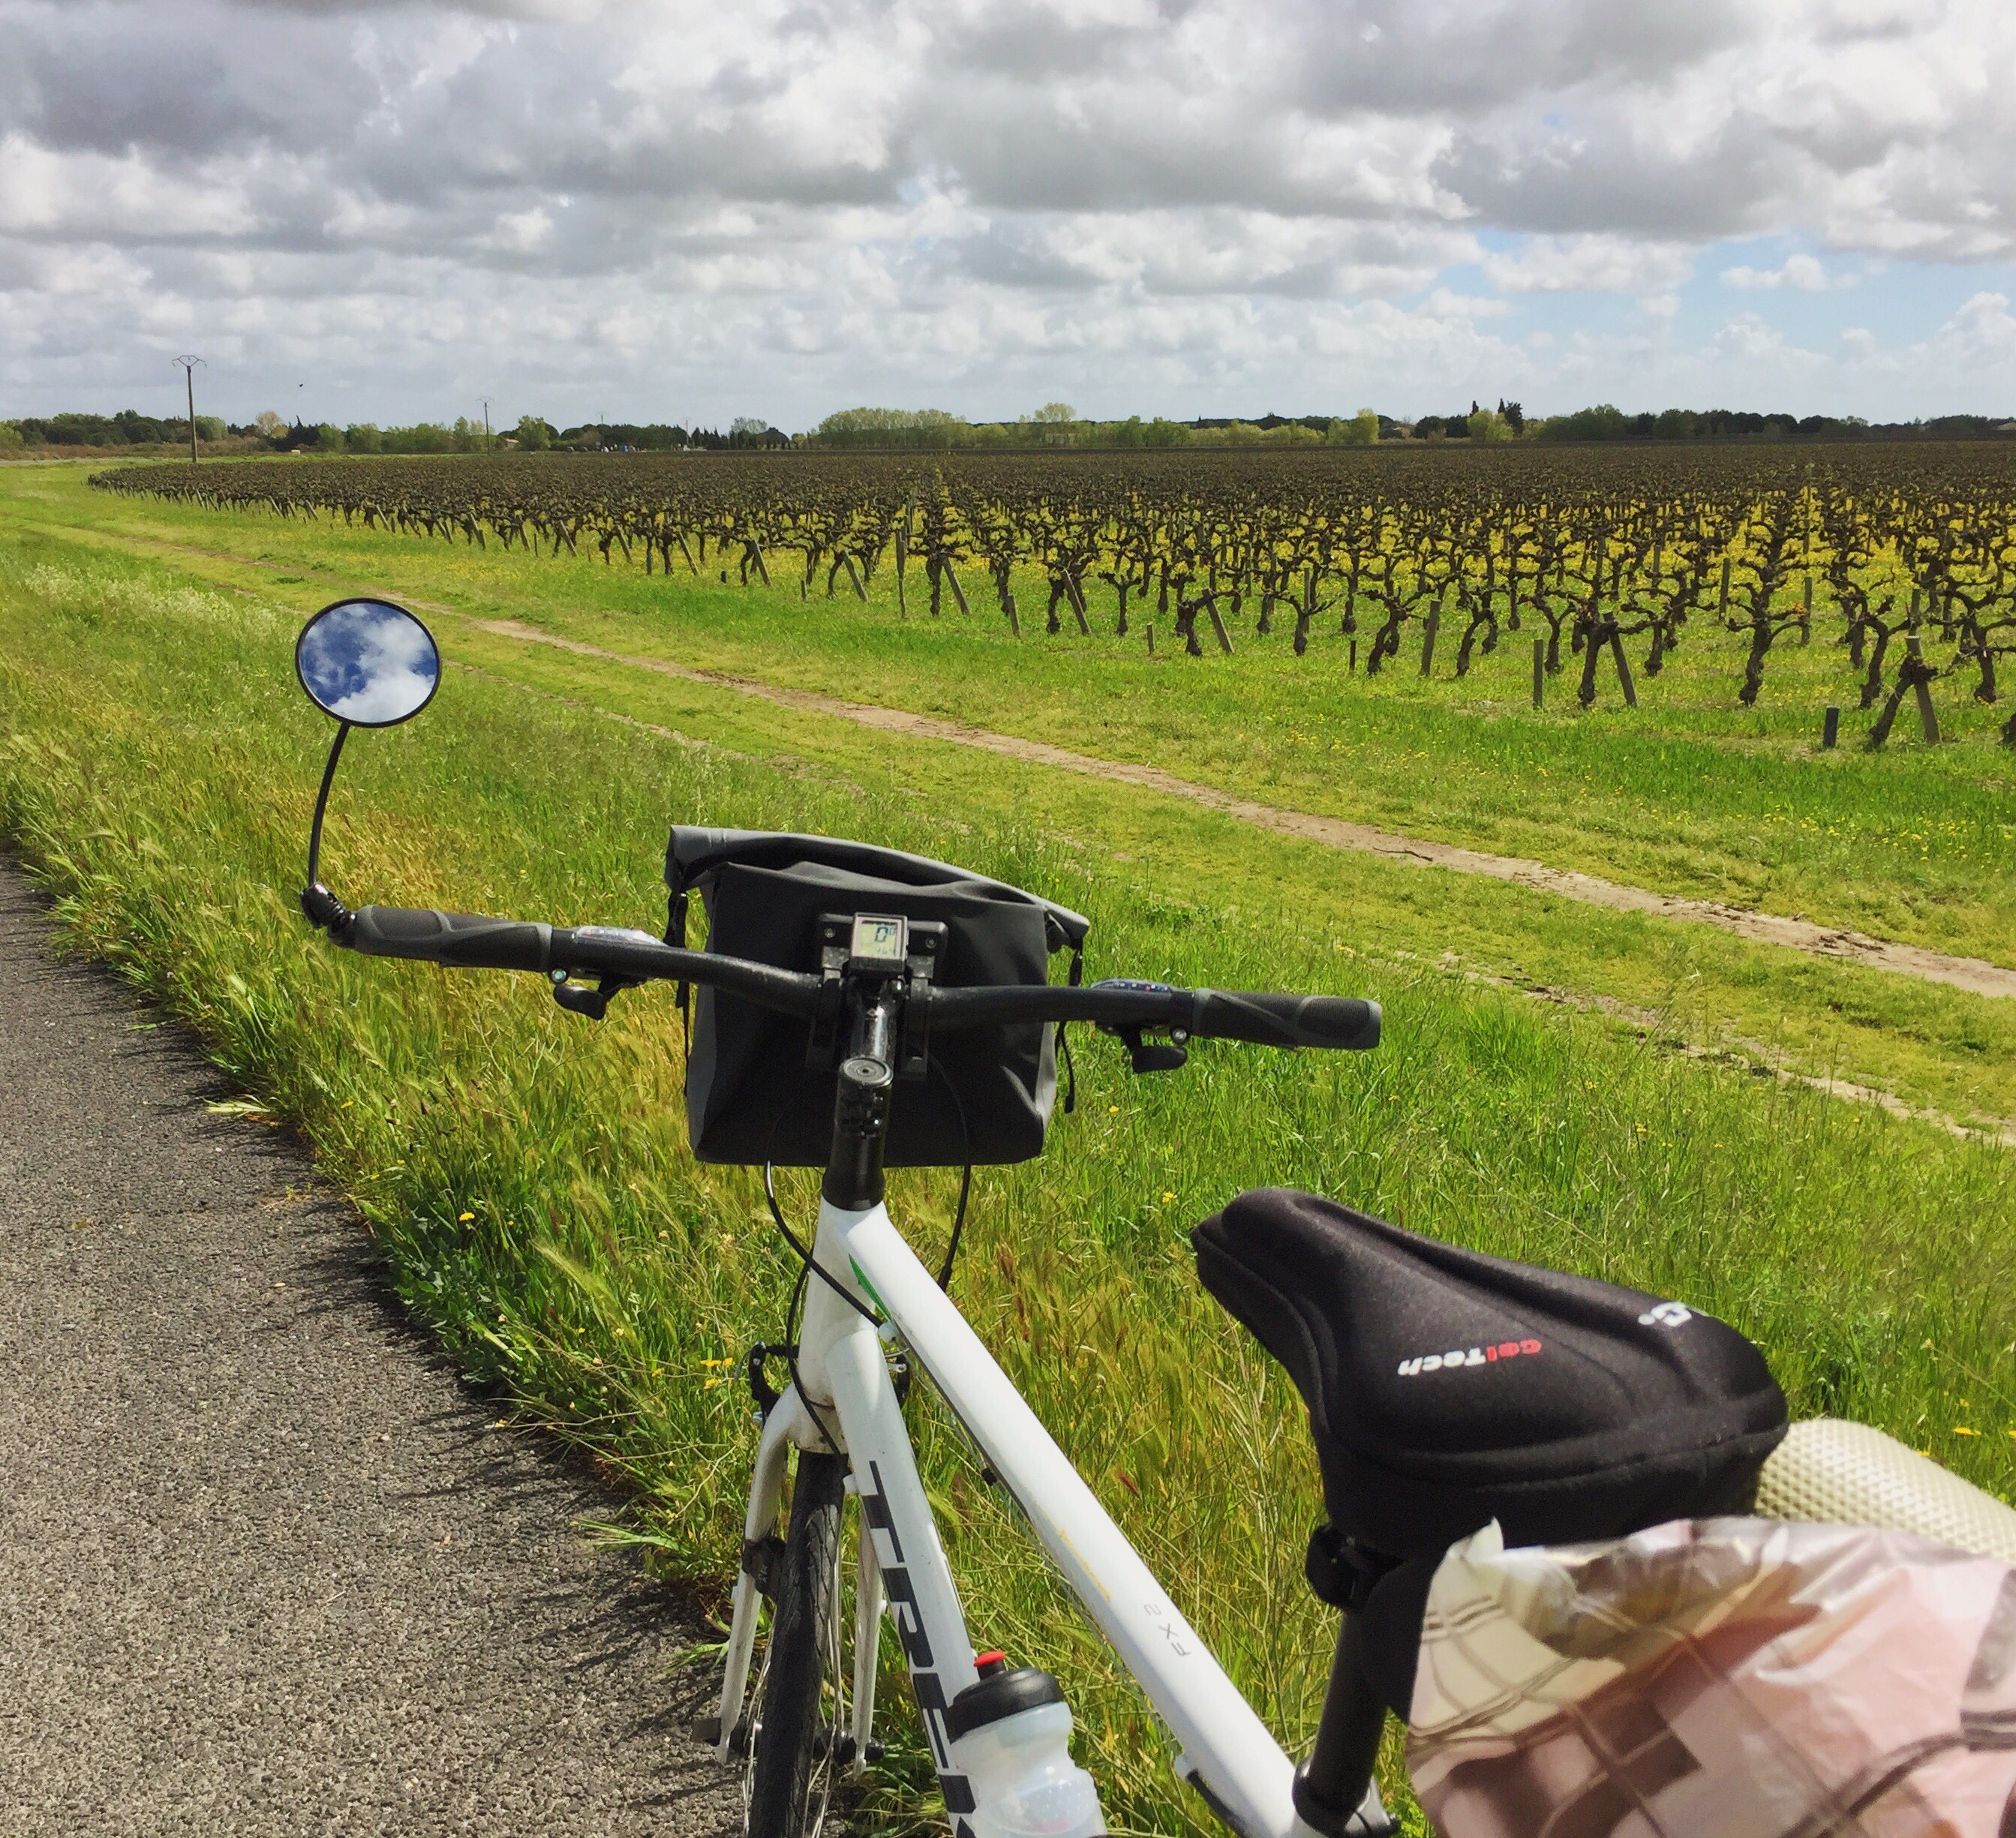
(1680, 1427)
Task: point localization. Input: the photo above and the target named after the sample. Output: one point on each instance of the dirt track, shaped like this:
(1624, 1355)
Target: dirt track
(266, 1567)
(1974, 975)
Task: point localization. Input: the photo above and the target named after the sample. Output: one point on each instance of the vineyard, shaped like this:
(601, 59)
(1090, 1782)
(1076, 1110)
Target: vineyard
(1903, 556)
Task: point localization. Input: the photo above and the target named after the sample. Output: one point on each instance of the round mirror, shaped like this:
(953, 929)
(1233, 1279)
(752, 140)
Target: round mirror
(368, 662)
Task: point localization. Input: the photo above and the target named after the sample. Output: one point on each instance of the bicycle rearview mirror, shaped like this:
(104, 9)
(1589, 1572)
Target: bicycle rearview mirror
(369, 664)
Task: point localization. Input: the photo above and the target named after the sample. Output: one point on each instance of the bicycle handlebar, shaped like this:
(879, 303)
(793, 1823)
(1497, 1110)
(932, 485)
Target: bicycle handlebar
(470, 941)
(1267, 1020)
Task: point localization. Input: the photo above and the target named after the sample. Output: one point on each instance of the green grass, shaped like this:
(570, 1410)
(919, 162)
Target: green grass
(1689, 794)
(525, 1174)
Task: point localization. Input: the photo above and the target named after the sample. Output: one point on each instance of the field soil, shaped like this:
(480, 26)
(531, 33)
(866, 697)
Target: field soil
(264, 1563)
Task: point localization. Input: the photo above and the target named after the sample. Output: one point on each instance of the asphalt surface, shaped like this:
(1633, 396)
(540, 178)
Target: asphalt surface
(266, 1566)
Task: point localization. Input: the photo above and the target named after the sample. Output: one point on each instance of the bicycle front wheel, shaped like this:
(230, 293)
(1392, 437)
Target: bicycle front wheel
(795, 1749)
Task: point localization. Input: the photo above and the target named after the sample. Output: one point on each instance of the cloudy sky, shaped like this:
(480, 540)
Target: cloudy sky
(662, 210)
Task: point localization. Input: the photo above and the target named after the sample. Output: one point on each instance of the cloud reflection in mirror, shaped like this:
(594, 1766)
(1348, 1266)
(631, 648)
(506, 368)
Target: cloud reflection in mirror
(368, 662)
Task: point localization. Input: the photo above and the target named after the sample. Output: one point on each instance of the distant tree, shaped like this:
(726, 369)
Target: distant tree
(328, 439)
(422, 436)
(1054, 413)
(363, 437)
(1515, 417)
(1361, 430)
(270, 426)
(749, 426)
(210, 427)
(533, 435)
(1602, 423)
(930, 428)
(1485, 425)
(10, 436)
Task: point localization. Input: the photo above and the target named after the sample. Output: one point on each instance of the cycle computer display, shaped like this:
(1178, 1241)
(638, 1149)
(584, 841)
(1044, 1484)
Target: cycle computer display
(878, 941)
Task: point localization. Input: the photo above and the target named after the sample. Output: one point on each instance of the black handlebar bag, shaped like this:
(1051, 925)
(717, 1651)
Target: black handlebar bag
(750, 1097)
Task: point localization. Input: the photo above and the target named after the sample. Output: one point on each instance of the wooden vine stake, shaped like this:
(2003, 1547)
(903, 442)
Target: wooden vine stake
(1928, 717)
(903, 556)
(1623, 667)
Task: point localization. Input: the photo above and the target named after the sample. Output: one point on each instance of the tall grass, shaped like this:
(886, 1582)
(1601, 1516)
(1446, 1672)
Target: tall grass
(526, 1175)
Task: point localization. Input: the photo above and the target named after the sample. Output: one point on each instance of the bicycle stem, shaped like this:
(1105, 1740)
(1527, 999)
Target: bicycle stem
(853, 1180)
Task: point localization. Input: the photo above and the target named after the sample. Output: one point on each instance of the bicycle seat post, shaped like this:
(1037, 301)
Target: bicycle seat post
(1334, 1792)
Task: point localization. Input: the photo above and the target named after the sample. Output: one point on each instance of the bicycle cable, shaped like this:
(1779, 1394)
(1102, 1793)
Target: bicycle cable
(806, 1258)
(965, 1178)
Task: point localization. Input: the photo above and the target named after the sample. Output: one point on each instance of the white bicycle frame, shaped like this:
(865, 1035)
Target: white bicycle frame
(1224, 1749)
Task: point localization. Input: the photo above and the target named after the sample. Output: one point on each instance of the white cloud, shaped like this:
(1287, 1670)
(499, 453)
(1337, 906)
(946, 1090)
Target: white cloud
(1982, 336)
(1802, 272)
(76, 197)
(1442, 304)
(1590, 264)
(524, 231)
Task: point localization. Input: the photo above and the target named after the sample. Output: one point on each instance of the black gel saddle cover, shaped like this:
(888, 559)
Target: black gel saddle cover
(1446, 1389)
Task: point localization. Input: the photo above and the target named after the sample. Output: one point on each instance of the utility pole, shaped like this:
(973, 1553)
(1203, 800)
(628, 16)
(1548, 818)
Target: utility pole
(189, 375)
(486, 424)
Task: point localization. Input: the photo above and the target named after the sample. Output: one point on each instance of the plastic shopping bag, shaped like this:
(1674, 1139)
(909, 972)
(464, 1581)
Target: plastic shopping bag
(1722, 1678)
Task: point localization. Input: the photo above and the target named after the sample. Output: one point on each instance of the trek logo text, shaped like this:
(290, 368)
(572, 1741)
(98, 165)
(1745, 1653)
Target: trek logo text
(924, 1681)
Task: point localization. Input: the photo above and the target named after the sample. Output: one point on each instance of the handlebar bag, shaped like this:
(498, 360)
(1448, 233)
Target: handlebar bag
(750, 1097)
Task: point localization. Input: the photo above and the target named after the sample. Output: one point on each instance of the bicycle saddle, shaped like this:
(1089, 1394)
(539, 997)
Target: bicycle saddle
(1446, 1389)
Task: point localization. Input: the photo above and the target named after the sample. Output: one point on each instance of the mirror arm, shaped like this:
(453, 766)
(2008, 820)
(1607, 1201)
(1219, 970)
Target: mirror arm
(323, 907)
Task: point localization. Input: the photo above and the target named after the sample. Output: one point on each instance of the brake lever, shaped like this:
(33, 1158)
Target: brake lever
(1146, 1055)
(577, 998)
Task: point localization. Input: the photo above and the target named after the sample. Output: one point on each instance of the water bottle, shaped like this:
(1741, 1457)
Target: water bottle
(1011, 1738)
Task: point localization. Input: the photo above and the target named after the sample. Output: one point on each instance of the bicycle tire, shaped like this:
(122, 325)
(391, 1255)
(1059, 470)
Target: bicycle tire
(787, 1795)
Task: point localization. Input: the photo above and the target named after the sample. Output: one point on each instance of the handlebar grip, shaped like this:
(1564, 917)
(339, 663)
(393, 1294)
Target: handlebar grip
(462, 940)
(1285, 1020)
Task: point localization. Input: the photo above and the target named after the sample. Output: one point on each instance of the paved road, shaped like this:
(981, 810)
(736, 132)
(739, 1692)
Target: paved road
(265, 1567)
